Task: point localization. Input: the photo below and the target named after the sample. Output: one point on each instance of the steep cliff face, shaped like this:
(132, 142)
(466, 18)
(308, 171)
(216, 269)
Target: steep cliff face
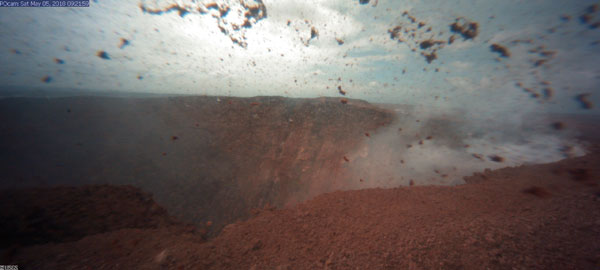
(204, 158)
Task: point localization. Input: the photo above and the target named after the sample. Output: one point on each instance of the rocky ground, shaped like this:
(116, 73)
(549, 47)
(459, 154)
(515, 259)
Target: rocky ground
(529, 217)
(78, 172)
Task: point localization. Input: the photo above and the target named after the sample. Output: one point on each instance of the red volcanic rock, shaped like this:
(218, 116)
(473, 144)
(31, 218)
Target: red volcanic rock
(524, 218)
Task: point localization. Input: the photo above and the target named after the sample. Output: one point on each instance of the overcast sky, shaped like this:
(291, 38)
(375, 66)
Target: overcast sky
(200, 51)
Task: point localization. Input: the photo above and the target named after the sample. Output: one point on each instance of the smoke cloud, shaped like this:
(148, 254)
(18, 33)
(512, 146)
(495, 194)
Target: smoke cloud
(424, 148)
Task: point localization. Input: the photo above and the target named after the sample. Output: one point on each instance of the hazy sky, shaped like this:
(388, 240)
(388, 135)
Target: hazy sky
(196, 53)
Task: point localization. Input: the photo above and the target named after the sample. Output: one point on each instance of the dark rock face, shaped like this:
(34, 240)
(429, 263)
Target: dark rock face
(203, 158)
(63, 214)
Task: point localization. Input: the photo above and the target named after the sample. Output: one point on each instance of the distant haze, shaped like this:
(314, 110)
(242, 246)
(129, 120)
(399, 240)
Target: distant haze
(311, 48)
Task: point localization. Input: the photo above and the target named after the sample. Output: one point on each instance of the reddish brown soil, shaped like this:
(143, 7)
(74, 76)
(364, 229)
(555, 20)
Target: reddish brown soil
(530, 217)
